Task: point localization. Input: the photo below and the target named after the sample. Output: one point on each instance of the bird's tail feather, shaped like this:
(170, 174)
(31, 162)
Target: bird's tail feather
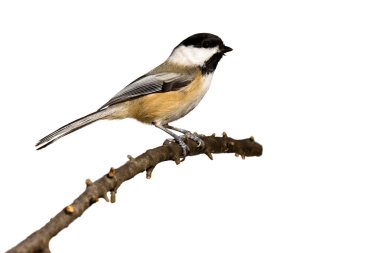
(73, 126)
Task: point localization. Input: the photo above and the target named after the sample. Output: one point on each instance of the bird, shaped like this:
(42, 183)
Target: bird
(166, 93)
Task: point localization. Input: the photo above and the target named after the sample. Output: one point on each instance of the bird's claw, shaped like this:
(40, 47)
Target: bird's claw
(191, 136)
(196, 138)
(185, 150)
(183, 145)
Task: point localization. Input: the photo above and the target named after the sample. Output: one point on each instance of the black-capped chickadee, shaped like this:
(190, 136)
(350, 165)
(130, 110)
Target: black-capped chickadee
(165, 94)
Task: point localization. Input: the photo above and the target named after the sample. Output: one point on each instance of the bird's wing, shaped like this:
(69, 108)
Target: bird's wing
(151, 83)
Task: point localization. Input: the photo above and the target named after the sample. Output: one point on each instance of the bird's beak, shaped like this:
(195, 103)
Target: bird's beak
(225, 49)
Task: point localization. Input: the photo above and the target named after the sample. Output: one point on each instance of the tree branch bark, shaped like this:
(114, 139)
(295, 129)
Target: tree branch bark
(38, 242)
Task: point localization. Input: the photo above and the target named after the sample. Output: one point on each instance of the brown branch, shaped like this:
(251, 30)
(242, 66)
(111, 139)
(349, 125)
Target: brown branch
(38, 242)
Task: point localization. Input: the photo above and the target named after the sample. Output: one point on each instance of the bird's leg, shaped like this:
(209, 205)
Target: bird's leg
(189, 135)
(177, 138)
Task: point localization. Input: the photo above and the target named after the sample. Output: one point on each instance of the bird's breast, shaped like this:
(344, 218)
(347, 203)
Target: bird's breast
(166, 107)
(196, 92)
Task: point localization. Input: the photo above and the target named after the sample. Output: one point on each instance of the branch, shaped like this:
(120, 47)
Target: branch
(38, 242)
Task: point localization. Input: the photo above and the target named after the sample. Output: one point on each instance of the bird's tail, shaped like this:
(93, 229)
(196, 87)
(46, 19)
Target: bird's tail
(73, 126)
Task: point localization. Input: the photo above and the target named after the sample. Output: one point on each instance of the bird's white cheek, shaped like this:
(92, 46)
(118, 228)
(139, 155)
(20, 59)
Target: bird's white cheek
(191, 56)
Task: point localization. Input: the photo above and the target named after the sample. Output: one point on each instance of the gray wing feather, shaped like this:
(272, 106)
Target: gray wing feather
(152, 83)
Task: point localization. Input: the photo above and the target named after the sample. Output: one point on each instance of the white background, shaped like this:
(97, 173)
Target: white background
(303, 79)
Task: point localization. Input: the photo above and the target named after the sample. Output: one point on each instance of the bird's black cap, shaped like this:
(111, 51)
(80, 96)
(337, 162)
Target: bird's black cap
(205, 40)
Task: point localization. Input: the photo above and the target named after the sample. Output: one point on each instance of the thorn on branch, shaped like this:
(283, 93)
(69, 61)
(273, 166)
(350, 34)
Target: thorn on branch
(225, 144)
(69, 209)
(241, 155)
(208, 153)
(113, 196)
(88, 182)
(111, 173)
(149, 172)
(177, 160)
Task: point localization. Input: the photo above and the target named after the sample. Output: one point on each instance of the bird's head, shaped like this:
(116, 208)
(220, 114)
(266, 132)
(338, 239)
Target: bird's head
(202, 49)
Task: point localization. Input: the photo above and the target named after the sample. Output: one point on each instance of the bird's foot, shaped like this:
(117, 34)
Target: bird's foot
(185, 148)
(182, 144)
(188, 135)
(196, 138)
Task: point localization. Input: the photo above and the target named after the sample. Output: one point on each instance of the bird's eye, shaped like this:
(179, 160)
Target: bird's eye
(206, 44)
